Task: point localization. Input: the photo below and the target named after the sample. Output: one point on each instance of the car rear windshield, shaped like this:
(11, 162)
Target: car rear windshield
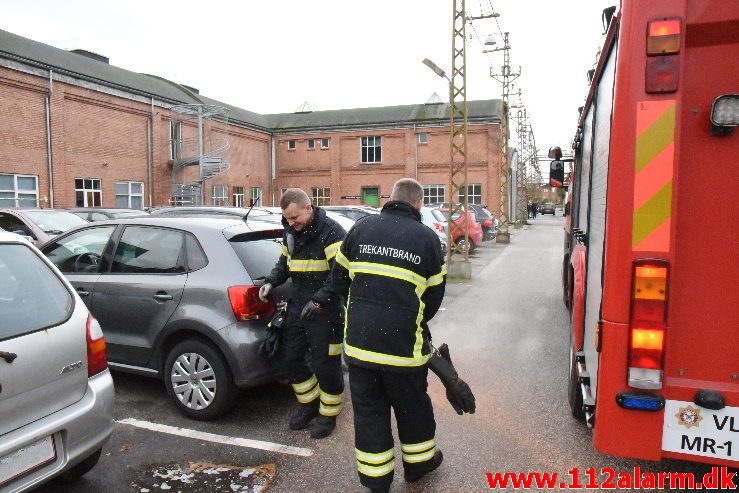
(54, 222)
(32, 297)
(259, 255)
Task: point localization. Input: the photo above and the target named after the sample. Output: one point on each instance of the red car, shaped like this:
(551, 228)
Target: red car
(460, 221)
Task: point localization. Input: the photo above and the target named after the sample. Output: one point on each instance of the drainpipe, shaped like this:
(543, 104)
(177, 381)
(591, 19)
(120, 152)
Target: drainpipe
(274, 169)
(48, 141)
(150, 151)
(415, 148)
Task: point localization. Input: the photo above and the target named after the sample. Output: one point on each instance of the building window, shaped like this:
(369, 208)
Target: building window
(311, 144)
(325, 143)
(372, 149)
(129, 194)
(433, 194)
(18, 191)
(175, 140)
(321, 196)
(291, 145)
(256, 196)
(238, 196)
(220, 195)
(474, 194)
(88, 192)
(423, 138)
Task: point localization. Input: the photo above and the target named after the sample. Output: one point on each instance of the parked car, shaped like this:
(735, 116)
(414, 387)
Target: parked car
(488, 222)
(353, 212)
(546, 209)
(428, 218)
(93, 214)
(56, 398)
(461, 221)
(39, 225)
(177, 298)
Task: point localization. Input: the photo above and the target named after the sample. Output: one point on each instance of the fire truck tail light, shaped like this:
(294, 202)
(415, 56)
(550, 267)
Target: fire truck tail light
(663, 37)
(662, 74)
(648, 323)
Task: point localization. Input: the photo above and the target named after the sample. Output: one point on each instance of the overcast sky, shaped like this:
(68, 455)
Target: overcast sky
(272, 56)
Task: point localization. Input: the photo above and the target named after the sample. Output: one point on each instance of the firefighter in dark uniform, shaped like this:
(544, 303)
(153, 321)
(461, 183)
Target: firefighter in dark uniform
(392, 268)
(310, 243)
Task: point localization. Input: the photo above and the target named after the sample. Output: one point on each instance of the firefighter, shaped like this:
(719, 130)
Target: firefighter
(310, 242)
(392, 268)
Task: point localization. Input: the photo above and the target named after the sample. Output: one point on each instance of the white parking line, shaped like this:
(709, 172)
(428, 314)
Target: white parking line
(211, 437)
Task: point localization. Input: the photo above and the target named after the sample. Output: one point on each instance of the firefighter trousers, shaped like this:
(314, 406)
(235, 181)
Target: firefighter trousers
(374, 393)
(310, 355)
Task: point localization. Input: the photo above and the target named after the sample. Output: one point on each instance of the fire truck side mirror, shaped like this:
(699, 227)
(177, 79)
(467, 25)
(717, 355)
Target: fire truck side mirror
(557, 174)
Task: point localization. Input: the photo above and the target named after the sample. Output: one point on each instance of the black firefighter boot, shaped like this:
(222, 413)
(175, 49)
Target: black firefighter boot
(303, 415)
(323, 427)
(433, 464)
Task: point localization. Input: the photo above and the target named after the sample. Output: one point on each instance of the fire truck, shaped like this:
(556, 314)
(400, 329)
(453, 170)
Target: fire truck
(651, 264)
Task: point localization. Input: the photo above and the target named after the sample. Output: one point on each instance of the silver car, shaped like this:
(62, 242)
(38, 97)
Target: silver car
(38, 225)
(177, 298)
(56, 393)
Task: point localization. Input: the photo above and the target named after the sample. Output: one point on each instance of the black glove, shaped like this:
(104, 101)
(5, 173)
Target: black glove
(458, 393)
(311, 310)
(270, 344)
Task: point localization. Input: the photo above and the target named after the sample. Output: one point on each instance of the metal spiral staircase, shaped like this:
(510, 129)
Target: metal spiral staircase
(208, 150)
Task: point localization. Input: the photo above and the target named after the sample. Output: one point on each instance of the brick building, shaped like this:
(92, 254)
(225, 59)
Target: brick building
(75, 130)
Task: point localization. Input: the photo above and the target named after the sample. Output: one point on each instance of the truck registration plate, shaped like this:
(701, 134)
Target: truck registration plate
(694, 430)
(26, 459)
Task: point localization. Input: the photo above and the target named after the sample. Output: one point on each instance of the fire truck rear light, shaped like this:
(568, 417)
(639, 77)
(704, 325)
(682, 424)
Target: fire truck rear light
(646, 339)
(662, 74)
(640, 401)
(644, 378)
(725, 114)
(663, 37)
(650, 283)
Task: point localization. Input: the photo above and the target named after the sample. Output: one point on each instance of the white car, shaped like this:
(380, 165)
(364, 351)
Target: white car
(56, 393)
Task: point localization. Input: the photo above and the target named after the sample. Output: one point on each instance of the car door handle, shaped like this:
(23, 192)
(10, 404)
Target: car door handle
(163, 297)
(83, 292)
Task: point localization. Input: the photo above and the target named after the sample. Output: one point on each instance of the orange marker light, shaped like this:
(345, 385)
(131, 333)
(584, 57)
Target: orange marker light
(647, 339)
(663, 37)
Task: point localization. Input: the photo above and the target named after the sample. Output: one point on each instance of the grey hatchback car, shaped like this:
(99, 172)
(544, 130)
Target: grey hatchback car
(56, 393)
(178, 299)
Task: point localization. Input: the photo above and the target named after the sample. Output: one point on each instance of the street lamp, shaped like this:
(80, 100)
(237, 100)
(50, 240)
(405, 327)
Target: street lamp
(437, 70)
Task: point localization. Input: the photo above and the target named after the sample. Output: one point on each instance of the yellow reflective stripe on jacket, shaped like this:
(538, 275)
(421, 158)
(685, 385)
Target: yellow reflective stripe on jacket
(387, 271)
(334, 349)
(342, 260)
(379, 458)
(437, 279)
(332, 249)
(386, 359)
(284, 250)
(300, 265)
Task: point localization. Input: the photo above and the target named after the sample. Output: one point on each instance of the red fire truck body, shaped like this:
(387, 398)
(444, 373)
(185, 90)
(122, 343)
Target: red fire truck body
(650, 271)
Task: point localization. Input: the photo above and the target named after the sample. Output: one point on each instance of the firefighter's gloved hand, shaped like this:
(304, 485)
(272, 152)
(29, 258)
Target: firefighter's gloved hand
(458, 393)
(264, 292)
(311, 310)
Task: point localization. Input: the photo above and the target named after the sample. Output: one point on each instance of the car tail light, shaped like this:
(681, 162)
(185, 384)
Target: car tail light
(97, 359)
(663, 62)
(648, 323)
(488, 223)
(246, 304)
(439, 227)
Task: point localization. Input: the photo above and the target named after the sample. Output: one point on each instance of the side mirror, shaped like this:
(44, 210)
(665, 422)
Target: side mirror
(557, 174)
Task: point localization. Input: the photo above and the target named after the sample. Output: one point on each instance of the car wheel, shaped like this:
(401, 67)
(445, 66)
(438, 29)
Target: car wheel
(464, 245)
(83, 467)
(574, 396)
(199, 381)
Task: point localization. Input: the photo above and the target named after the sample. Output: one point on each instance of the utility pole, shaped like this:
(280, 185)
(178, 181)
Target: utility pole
(506, 77)
(458, 143)
(522, 200)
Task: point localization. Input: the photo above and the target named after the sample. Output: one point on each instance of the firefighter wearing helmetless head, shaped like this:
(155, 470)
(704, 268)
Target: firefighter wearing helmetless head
(392, 268)
(310, 242)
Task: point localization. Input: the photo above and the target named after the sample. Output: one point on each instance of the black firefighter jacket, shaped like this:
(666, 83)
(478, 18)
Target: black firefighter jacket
(392, 268)
(307, 257)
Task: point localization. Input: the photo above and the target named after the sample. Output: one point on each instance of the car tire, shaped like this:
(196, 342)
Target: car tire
(213, 377)
(82, 468)
(463, 245)
(574, 396)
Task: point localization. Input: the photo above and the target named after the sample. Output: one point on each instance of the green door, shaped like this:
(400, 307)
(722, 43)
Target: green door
(371, 196)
